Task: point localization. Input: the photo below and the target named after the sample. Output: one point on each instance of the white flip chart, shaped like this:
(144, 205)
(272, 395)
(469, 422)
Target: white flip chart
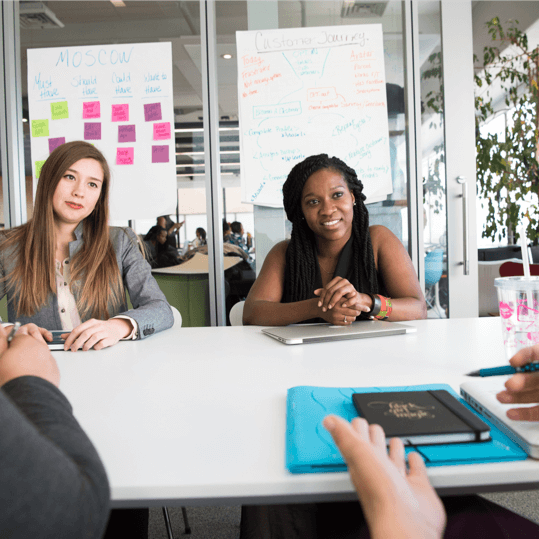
(119, 98)
(305, 91)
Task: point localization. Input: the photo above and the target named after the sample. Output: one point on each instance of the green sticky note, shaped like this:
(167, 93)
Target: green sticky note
(39, 165)
(59, 110)
(40, 128)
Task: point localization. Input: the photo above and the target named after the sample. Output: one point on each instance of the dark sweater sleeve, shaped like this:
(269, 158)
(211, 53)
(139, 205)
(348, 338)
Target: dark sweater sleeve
(52, 482)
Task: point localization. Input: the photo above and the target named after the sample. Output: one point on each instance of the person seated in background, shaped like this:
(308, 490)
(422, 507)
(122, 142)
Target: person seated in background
(236, 237)
(200, 240)
(67, 269)
(226, 231)
(52, 481)
(159, 253)
(396, 497)
(335, 268)
(164, 221)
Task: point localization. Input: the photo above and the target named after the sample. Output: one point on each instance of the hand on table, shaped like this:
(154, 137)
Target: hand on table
(397, 502)
(522, 388)
(26, 355)
(97, 334)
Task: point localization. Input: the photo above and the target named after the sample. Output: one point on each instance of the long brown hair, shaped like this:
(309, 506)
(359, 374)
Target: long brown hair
(94, 270)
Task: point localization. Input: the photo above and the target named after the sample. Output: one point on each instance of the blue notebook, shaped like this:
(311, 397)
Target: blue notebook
(310, 448)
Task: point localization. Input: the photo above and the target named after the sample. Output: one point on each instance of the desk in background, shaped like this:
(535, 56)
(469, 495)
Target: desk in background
(197, 415)
(186, 287)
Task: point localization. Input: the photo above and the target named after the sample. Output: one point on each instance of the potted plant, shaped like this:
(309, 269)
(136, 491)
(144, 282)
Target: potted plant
(507, 166)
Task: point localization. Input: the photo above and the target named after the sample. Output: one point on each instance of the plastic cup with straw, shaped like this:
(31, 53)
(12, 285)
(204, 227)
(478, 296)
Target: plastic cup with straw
(518, 300)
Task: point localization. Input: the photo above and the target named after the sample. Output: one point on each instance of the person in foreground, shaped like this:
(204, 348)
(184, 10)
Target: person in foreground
(399, 501)
(396, 497)
(52, 482)
(335, 267)
(66, 269)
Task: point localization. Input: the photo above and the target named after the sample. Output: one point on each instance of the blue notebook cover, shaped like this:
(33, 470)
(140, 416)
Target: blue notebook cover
(310, 448)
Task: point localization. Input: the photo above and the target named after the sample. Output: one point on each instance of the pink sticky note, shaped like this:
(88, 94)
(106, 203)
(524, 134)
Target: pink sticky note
(152, 112)
(126, 133)
(125, 156)
(92, 131)
(120, 113)
(55, 142)
(161, 131)
(160, 154)
(91, 109)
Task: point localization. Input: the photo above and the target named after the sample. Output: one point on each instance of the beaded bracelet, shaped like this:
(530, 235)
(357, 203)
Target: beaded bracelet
(386, 308)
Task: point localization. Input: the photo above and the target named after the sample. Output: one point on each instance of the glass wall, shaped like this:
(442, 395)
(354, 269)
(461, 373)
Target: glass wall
(73, 24)
(236, 16)
(100, 23)
(433, 161)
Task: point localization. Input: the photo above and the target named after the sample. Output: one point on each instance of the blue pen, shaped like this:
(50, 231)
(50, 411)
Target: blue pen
(498, 371)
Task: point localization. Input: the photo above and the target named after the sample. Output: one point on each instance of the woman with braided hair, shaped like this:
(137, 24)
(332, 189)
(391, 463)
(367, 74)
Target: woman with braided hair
(335, 267)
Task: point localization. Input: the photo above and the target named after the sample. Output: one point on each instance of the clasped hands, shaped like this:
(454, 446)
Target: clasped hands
(340, 303)
(96, 334)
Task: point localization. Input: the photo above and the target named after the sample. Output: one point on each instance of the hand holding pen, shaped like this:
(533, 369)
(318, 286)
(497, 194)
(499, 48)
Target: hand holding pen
(523, 388)
(14, 330)
(25, 355)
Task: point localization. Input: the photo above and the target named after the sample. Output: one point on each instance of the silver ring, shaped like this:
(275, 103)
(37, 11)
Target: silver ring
(345, 319)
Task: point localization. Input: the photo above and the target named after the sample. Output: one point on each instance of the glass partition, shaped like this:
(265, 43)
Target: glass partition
(73, 23)
(433, 161)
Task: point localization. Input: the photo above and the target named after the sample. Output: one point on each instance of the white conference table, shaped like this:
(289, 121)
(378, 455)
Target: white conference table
(196, 416)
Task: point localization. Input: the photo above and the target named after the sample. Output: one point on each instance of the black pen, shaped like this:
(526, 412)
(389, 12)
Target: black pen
(14, 329)
(498, 371)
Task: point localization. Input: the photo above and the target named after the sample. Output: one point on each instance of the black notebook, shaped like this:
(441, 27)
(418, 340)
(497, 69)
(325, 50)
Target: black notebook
(422, 417)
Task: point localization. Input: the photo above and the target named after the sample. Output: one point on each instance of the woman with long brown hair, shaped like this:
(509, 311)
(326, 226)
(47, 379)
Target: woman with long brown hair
(66, 269)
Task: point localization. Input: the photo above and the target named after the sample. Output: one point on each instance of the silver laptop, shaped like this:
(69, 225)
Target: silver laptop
(480, 393)
(309, 333)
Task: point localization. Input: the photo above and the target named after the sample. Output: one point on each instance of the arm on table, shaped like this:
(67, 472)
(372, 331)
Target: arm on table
(150, 310)
(398, 274)
(263, 304)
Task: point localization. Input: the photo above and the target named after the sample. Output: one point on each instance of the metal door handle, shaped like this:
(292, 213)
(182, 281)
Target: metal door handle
(464, 195)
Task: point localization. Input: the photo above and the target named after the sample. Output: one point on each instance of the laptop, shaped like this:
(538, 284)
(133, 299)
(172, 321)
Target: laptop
(311, 333)
(480, 394)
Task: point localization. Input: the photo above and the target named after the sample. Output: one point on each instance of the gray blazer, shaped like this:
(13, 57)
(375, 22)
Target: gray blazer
(151, 309)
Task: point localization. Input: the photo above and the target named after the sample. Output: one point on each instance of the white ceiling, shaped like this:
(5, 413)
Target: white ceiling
(100, 22)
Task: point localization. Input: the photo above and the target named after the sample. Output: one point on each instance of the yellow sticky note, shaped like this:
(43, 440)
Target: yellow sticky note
(40, 128)
(39, 165)
(59, 110)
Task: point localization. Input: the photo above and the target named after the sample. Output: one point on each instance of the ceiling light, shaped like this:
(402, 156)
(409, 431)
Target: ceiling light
(226, 56)
(117, 3)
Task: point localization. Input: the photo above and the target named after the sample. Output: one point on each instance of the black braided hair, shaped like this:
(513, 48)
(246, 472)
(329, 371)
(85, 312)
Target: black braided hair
(301, 252)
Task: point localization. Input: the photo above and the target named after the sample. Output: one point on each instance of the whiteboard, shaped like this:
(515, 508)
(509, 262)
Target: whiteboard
(119, 98)
(305, 91)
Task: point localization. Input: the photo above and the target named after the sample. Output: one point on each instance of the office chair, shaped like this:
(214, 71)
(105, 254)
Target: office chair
(433, 273)
(515, 269)
(236, 314)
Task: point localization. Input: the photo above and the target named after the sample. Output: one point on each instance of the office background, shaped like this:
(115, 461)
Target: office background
(428, 52)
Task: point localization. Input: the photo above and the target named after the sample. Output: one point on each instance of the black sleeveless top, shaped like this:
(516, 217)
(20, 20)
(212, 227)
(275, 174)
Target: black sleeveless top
(345, 269)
